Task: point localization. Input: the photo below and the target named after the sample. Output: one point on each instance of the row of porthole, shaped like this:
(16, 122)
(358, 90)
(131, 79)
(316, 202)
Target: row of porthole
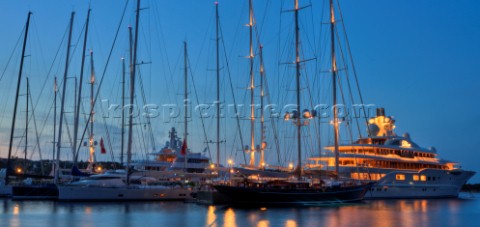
(385, 189)
(378, 189)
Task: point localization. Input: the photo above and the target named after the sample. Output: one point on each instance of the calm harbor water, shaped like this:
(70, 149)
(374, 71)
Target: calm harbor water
(464, 211)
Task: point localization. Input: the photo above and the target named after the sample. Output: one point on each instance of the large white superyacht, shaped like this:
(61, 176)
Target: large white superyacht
(400, 167)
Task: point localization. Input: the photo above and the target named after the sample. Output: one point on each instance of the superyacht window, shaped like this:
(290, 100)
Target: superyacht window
(400, 177)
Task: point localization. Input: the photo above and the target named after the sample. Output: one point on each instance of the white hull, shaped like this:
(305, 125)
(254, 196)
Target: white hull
(437, 184)
(127, 193)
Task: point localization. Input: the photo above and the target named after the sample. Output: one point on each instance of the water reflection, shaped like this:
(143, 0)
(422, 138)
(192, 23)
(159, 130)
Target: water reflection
(441, 212)
(211, 217)
(290, 223)
(229, 218)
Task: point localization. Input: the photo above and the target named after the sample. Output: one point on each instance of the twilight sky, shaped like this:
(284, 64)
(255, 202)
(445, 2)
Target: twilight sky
(418, 59)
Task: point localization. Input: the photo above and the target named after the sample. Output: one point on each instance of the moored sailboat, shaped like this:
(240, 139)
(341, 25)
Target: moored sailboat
(124, 186)
(298, 190)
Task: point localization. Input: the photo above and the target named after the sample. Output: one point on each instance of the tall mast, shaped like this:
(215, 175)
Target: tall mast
(132, 92)
(55, 90)
(26, 130)
(297, 77)
(123, 112)
(217, 25)
(91, 159)
(79, 96)
(67, 60)
(334, 84)
(185, 95)
(262, 116)
(12, 129)
(252, 88)
(130, 45)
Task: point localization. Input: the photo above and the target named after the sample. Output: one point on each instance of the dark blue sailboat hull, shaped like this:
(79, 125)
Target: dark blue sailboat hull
(264, 196)
(44, 191)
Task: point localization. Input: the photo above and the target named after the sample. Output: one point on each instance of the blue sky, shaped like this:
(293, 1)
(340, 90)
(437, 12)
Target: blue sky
(418, 59)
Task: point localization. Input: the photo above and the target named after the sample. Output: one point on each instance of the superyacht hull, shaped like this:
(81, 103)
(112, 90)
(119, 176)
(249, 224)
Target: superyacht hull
(254, 196)
(425, 184)
(127, 193)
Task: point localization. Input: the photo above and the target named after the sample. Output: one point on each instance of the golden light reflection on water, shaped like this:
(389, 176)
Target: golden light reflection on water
(211, 216)
(16, 210)
(290, 223)
(15, 221)
(379, 213)
(263, 223)
(229, 218)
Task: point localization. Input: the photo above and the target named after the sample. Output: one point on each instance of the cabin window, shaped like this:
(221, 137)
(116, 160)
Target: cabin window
(415, 177)
(423, 178)
(400, 177)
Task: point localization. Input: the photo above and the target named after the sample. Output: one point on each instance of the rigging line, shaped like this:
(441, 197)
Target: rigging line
(78, 97)
(161, 37)
(140, 133)
(106, 64)
(198, 102)
(274, 125)
(13, 52)
(142, 89)
(267, 93)
(311, 102)
(7, 94)
(51, 68)
(37, 136)
(264, 16)
(86, 123)
(207, 32)
(171, 83)
(233, 97)
(109, 141)
(68, 130)
(317, 79)
(147, 40)
(147, 123)
(342, 55)
(353, 68)
(357, 83)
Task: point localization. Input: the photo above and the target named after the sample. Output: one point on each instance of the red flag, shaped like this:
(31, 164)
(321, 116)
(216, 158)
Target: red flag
(184, 147)
(102, 147)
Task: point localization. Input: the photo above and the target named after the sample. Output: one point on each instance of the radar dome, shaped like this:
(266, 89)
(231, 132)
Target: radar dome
(433, 149)
(406, 135)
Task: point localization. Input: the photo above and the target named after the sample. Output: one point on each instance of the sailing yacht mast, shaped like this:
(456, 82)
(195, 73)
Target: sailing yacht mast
(132, 92)
(297, 79)
(334, 84)
(55, 90)
(79, 96)
(263, 144)
(252, 88)
(12, 129)
(62, 105)
(123, 112)
(91, 159)
(217, 25)
(185, 135)
(26, 130)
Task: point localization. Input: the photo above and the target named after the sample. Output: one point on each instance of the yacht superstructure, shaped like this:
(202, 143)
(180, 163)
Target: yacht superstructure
(401, 168)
